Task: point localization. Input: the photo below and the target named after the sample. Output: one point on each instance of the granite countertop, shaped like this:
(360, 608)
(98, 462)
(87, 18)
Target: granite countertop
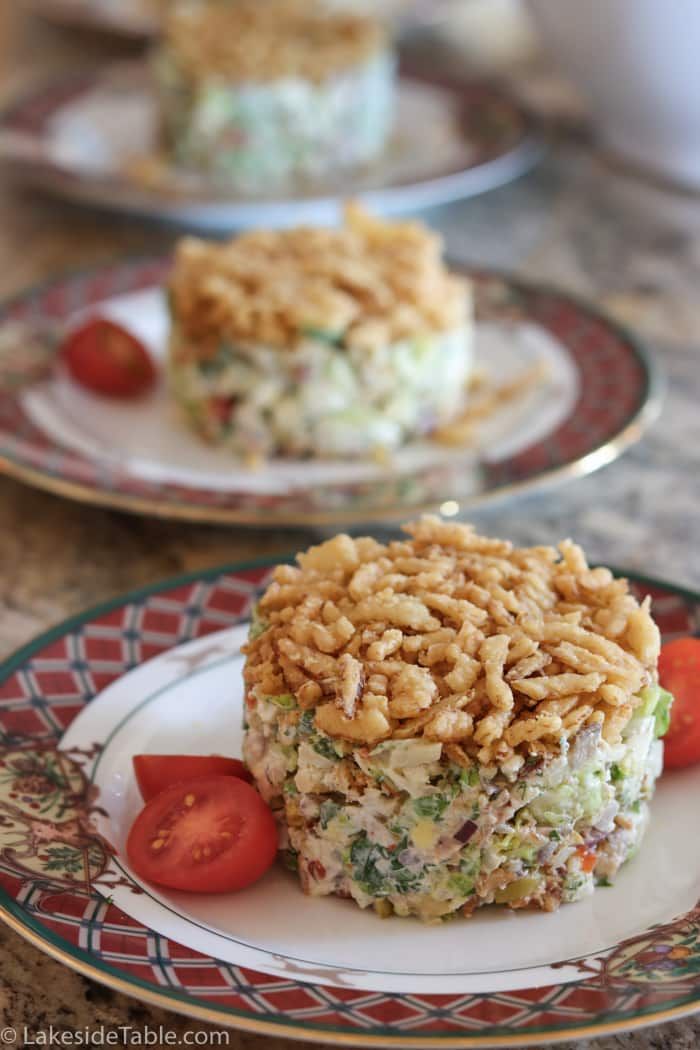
(630, 247)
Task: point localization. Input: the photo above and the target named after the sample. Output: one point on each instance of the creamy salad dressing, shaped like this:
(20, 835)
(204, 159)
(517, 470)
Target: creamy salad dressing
(261, 137)
(400, 828)
(322, 398)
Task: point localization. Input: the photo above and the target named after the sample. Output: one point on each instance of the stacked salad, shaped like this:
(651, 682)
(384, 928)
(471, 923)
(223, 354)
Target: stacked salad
(401, 828)
(243, 102)
(447, 721)
(322, 398)
(341, 342)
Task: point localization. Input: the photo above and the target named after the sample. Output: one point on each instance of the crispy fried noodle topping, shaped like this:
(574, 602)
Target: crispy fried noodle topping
(263, 40)
(368, 284)
(491, 649)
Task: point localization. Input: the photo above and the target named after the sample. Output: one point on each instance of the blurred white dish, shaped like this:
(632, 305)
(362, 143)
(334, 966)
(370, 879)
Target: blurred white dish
(636, 62)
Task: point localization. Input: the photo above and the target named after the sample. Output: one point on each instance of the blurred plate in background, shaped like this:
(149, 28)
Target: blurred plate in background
(129, 18)
(597, 392)
(139, 18)
(93, 138)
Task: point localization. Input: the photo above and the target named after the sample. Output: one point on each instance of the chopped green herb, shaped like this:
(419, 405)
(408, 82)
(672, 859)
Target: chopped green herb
(289, 858)
(555, 836)
(290, 787)
(604, 881)
(323, 335)
(462, 884)
(431, 806)
(224, 355)
(378, 870)
(306, 723)
(323, 745)
(469, 777)
(329, 810)
(284, 700)
(616, 773)
(573, 883)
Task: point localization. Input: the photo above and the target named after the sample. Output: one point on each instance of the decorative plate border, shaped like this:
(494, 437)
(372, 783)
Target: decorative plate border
(621, 390)
(505, 140)
(47, 897)
(95, 17)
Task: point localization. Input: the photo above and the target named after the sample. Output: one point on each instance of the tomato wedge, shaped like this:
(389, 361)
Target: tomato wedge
(209, 835)
(108, 360)
(154, 773)
(679, 672)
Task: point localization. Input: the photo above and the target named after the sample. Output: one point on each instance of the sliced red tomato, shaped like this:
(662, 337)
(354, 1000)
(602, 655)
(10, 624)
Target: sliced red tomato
(679, 672)
(108, 360)
(154, 773)
(209, 835)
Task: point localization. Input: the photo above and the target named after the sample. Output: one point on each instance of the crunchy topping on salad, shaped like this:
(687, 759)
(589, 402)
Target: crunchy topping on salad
(368, 284)
(262, 40)
(494, 650)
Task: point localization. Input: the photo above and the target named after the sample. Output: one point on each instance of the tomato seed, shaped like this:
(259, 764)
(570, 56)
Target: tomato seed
(157, 843)
(189, 800)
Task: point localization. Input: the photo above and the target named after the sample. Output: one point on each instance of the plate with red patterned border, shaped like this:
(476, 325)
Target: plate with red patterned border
(94, 137)
(72, 704)
(599, 391)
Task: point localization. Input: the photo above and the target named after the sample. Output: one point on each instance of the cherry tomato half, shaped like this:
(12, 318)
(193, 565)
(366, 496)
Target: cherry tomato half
(154, 773)
(679, 672)
(108, 360)
(209, 835)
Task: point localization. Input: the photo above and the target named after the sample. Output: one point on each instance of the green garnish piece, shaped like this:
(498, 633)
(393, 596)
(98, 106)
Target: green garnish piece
(430, 807)
(662, 713)
(323, 745)
(329, 809)
(323, 335)
(469, 777)
(306, 723)
(284, 700)
(289, 858)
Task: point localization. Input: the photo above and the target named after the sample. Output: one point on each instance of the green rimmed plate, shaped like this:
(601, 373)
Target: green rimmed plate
(70, 720)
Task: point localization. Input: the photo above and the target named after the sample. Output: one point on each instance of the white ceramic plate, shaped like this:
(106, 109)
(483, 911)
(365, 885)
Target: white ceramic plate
(599, 392)
(148, 439)
(190, 700)
(93, 138)
(160, 670)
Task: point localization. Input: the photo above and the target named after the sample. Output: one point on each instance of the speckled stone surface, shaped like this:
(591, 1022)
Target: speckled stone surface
(576, 221)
